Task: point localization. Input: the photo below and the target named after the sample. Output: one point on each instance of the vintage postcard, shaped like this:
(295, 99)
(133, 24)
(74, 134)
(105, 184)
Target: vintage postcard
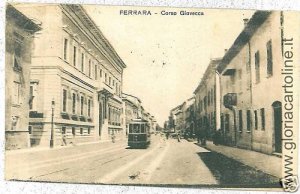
(152, 96)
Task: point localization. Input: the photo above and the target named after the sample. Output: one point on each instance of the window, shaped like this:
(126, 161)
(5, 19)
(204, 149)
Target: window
(82, 62)
(89, 130)
(208, 98)
(113, 82)
(105, 77)
(90, 67)
(257, 67)
(96, 74)
(222, 122)
(89, 107)
(142, 128)
(66, 42)
(31, 98)
(73, 131)
(101, 73)
(63, 130)
(227, 122)
(262, 114)
(74, 103)
(30, 130)
(17, 55)
(16, 93)
(240, 120)
(269, 59)
(248, 120)
(81, 131)
(81, 105)
(64, 98)
(255, 120)
(74, 56)
(212, 96)
(109, 81)
(117, 92)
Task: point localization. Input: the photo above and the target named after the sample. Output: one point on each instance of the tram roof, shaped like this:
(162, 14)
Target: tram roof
(138, 120)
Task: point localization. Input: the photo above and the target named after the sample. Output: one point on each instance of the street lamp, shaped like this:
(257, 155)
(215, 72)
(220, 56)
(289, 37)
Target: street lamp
(52, 130)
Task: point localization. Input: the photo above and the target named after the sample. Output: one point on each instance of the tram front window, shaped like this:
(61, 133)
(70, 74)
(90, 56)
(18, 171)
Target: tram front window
(136, 128)
(142, 128)
(130, 128)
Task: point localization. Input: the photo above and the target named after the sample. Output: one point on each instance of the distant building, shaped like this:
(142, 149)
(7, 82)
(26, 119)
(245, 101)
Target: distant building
(189, 120)
(206, 101)
(76, 69)
(132, 106)
(18, 53)
(250, 76)
(187, 117)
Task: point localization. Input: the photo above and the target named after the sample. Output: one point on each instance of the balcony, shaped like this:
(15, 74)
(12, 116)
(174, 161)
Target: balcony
(65, 115)
(229, 100)
(74, 117)
(82, 118)
(229, 72)
(35, 114)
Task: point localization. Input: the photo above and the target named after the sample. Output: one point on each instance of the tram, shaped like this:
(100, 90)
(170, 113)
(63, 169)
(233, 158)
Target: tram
(139, 133)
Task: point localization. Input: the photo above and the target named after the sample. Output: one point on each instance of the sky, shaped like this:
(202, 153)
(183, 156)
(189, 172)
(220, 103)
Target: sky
(166, 56)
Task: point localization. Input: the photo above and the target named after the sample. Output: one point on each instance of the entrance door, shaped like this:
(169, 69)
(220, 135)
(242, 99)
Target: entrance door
(277, 111)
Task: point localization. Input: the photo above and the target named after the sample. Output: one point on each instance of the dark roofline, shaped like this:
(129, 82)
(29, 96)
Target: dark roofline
(258, 18)
(22, 20)
(132, 96)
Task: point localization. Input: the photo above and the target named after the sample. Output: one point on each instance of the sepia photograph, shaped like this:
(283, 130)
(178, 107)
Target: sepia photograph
(151, 96)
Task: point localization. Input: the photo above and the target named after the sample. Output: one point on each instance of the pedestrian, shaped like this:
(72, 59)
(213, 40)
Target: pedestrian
(215, 138)
(64, 141)
(178, 137)
(113, 137)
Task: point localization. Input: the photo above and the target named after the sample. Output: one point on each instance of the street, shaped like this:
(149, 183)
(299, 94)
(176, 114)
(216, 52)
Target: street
(164, 162)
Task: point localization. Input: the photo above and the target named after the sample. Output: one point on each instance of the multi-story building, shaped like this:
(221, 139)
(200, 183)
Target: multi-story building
(132, 106)
(250, 117)
(189, 120)
(187, 116)
(206, 101)
(75, 74)
(177, 115)
(18, 50)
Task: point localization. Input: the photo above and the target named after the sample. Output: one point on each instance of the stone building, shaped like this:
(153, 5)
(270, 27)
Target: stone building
(206, 101)
(250, 117)
(76, 74)
(19, 32)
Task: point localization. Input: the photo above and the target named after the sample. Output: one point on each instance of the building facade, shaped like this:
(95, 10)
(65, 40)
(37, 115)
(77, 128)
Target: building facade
(18, 51)
(250, 118)
(76, 78)
(206, 101)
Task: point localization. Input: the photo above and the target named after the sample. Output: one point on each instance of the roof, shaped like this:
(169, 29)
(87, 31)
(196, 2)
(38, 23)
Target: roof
(90, 24)
(254, 23)
(211, 66)
(21, 19)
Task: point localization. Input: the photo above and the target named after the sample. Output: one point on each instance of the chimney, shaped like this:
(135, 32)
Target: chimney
(245, 21)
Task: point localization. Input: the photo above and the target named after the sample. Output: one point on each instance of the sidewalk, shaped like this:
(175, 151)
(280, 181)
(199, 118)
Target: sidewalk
(266, 163)
(58, 147)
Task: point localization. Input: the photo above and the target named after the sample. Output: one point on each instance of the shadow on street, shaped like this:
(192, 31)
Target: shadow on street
(231, 173)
